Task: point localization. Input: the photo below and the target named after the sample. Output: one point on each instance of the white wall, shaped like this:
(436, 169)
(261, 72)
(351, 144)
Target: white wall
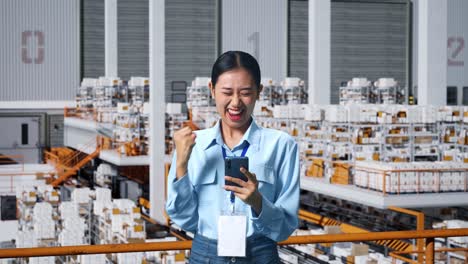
(457, 53)
(39, 50)
(457, 44)
(8, 230)
(260, 28)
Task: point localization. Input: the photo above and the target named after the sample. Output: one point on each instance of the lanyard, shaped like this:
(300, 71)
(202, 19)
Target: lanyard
(244, 150)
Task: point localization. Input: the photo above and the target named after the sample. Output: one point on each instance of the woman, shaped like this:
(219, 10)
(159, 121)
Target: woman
(197, 195)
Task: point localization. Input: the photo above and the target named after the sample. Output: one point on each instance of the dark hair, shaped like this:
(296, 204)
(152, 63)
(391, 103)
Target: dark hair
(231, 60)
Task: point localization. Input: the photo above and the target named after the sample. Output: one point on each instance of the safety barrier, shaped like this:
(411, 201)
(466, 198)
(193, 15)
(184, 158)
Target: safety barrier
(428, 235)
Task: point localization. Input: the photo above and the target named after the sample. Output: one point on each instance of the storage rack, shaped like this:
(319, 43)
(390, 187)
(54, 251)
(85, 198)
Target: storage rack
(390, 95)
(425, 142)
(267, 93)
(294, 91)
(312, 148)
(85, 211)
(138, 92)
(127, 132)
(144, 131)
(199, 94)
(396, 143)
(339, 153)
(84, 98)
(357, 95)
(367, 141)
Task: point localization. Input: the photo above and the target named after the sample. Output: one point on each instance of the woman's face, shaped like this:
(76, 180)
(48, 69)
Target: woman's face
(235, 94)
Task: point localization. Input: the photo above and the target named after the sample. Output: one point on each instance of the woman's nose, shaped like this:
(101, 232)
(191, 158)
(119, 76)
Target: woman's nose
(235, 101)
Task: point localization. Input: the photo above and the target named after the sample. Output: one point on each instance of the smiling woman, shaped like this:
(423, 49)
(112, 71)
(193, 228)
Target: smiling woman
(250, 217)
(235, 94)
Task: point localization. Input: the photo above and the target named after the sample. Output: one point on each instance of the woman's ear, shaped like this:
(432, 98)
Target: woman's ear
(210, 85)
(260, 89)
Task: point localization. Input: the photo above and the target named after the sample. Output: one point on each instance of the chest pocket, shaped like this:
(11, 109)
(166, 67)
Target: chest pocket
(205, 183)
(266, 180)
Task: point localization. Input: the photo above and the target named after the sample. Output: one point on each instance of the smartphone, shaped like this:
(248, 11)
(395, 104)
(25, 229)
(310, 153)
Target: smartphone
(232, 167)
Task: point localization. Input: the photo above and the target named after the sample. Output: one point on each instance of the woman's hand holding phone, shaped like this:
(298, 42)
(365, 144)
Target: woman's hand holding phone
(247, 191)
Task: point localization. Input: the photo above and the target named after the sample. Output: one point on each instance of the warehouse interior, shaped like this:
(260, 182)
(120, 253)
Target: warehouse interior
(374, 92)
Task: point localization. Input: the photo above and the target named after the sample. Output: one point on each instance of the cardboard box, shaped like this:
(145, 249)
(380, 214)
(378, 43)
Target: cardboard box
(316, 169)
(341, 173)
(359, 249)
(332, 230)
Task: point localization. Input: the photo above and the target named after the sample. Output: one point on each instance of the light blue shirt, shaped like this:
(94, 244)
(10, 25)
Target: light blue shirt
(195, 201)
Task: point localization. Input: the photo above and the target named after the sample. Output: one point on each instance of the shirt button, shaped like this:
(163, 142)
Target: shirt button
(233, 260)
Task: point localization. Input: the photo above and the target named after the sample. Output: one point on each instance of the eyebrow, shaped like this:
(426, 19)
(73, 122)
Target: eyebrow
(246, 88)
(242, 89)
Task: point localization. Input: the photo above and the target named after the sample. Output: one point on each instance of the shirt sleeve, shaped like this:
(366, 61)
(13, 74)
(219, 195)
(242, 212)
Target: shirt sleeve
(279, 219)
(181, 204)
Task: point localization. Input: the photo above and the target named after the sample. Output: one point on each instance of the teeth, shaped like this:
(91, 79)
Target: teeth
(232, 112)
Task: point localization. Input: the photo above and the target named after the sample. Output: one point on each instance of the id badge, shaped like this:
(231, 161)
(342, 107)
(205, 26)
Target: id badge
(232, 231)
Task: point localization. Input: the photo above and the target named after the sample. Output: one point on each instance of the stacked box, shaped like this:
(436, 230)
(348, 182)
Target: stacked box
(363, 113)
(26, 194)
(316, 169)
(449, 114)
(44, 228)
(42, 260)
(451, 224)
(68, 210)
(281, 111)
(102, 209)
(413, 177)
(314, 113)
(199, 93)
(465, 114)
(134, 257)
(92, 259)
(71, 237)
(263, 109)
(26, 239)
(336, 114)
(341, 173)
(81, 195)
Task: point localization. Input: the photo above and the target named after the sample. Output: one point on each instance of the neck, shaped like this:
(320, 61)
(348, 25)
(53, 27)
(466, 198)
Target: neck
(232, 136)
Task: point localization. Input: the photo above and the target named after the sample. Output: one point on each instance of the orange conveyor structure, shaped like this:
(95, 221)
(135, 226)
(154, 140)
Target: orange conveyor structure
(350, 229)
(67, 172)
(67, 162)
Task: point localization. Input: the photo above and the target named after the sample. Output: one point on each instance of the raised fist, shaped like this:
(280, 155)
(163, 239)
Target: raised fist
(184, 140)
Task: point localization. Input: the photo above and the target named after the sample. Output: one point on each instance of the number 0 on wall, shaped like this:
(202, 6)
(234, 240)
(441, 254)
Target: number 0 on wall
(26, 53)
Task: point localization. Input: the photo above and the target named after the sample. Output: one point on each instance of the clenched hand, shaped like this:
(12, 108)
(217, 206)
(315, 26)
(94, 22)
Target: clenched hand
(184, 141)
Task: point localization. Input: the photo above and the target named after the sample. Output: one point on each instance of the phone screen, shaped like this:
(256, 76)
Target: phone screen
(232, 167)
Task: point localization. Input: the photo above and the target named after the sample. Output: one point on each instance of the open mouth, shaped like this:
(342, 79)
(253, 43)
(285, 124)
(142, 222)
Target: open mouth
(234, 115)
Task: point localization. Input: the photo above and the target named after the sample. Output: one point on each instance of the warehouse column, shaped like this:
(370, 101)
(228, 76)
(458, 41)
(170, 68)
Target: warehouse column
(110, 37)
(158, 109)
(432, 52)
(319, 51)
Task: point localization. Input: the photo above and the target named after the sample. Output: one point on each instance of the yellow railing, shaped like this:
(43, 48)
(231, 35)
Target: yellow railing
(428, 235)
(419, 226)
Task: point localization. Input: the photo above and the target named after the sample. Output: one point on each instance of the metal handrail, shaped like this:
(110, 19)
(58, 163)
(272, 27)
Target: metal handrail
(419, 225)
(73, 159)
(183, 245)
